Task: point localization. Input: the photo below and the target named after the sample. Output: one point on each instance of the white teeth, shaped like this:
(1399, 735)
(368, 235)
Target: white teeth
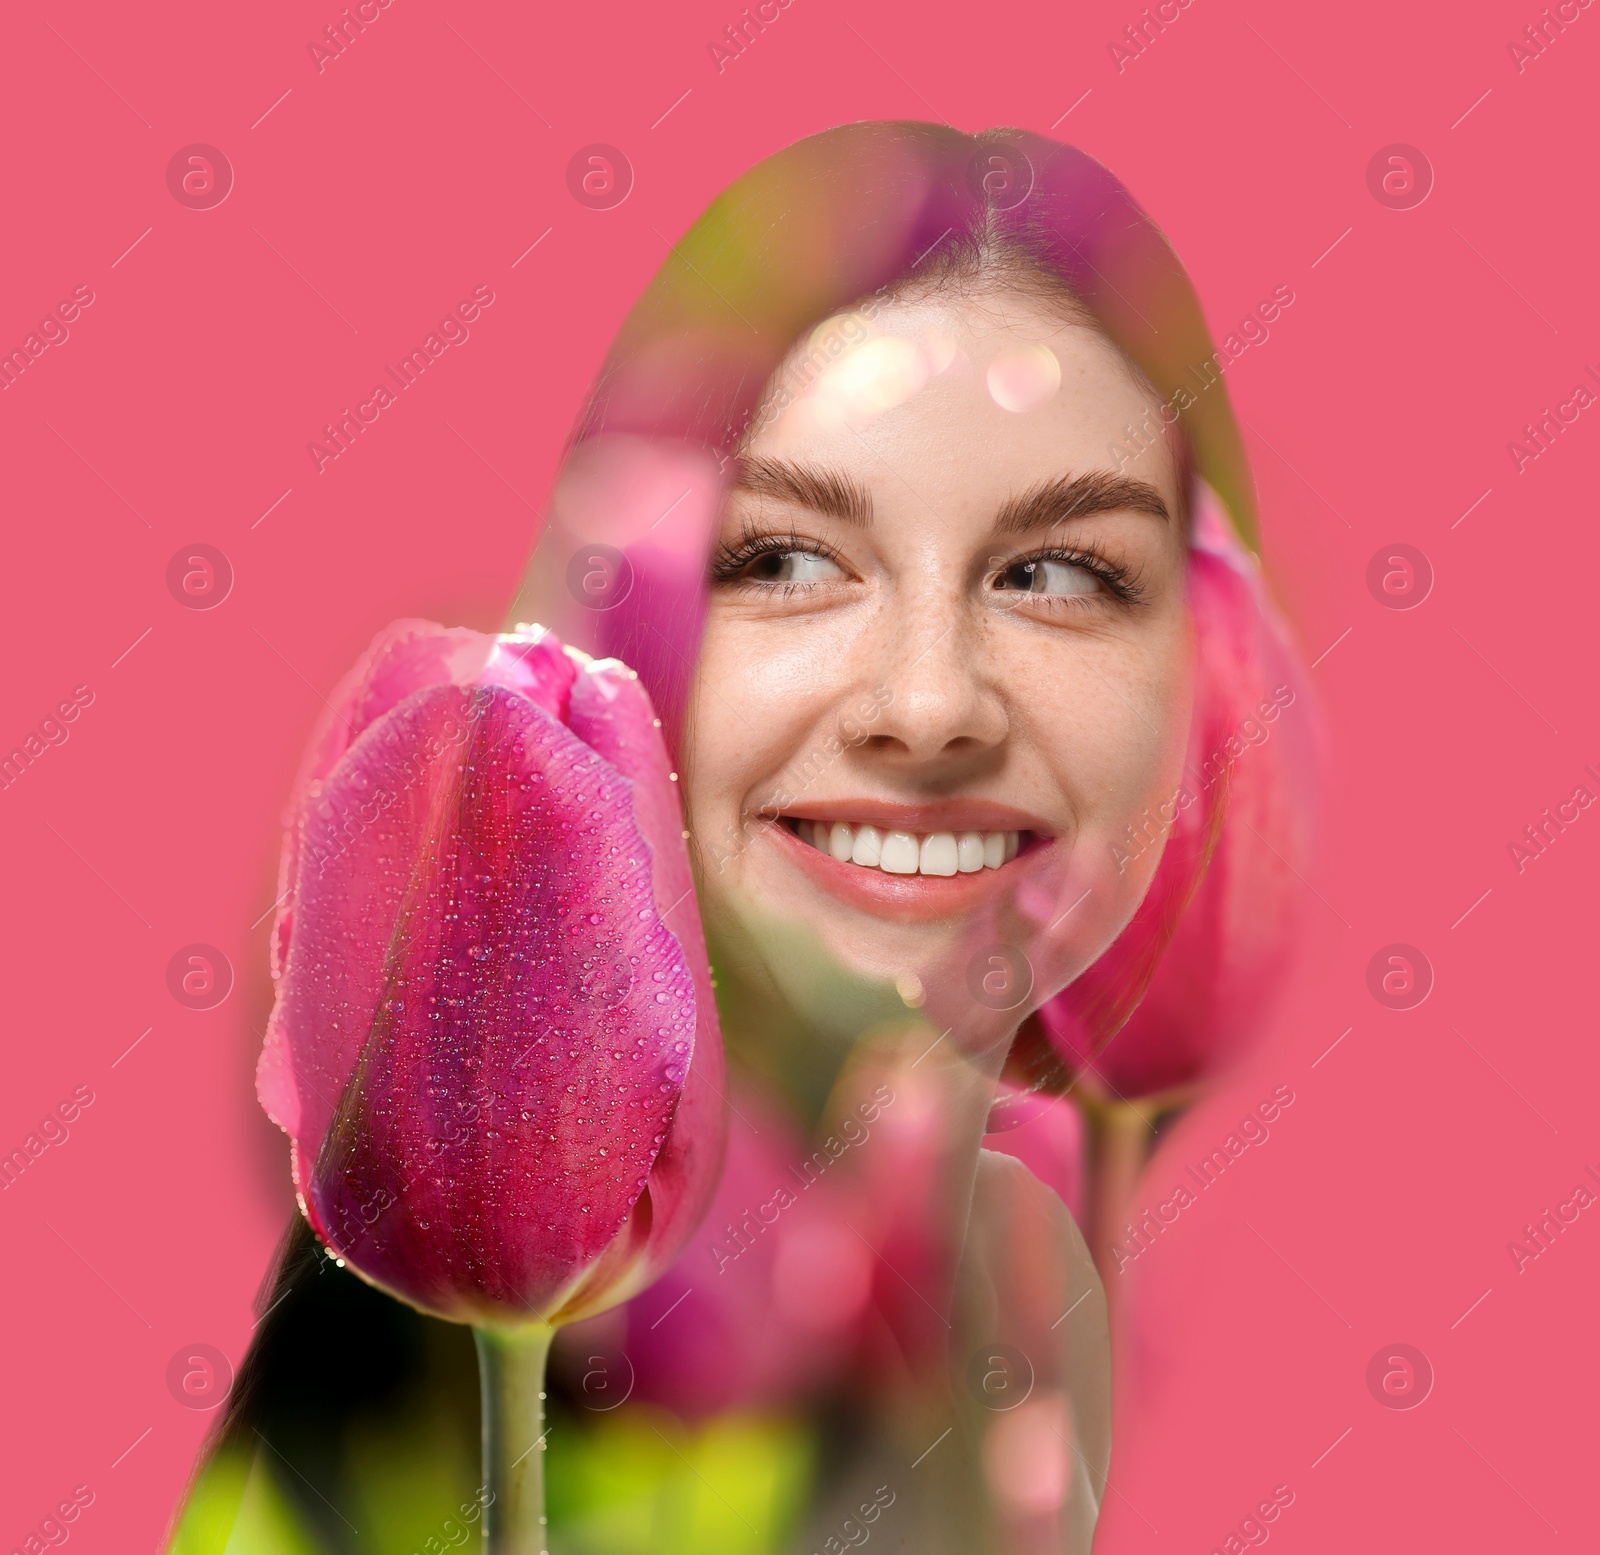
(905, 853)
(969, 852)
(900, 854)
(868, 847)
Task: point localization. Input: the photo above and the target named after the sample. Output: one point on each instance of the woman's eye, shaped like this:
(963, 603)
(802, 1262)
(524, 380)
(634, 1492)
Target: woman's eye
(1047, 576)
(792, 567)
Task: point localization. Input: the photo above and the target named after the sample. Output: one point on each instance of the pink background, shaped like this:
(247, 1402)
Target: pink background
(424, 162)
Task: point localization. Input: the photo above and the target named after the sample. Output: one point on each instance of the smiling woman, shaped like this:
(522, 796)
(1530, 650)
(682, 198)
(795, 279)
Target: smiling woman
(967, 556)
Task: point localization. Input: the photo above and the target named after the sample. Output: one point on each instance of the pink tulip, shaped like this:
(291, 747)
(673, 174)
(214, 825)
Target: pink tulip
(1046, 1134)
(494, 1046)
(1192, 981)
(764, 1309)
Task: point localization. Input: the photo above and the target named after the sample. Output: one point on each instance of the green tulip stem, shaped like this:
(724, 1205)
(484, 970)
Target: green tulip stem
(511, 1365)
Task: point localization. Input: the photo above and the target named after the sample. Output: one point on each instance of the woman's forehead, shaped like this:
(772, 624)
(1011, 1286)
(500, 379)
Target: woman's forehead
(982, 392)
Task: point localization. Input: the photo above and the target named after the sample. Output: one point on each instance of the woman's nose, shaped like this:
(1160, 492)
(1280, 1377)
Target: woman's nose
(942, 700)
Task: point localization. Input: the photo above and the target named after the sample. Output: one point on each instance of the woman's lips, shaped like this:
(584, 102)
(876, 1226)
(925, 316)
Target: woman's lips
(897, 852)
(911, 895)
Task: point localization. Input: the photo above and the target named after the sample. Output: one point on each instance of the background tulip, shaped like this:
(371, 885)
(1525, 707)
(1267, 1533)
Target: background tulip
(498, 1064)
(1193, 980)
(762, 1311)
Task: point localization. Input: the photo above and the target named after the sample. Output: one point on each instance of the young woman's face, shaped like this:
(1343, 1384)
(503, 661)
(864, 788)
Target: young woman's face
(946, 661)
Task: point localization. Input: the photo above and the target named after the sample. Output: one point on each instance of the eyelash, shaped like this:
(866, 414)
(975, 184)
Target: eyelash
(1121, 581)
(730, 560)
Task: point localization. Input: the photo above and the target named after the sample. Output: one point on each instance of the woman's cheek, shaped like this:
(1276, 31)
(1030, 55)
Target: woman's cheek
(1124, 763)
(737, 746)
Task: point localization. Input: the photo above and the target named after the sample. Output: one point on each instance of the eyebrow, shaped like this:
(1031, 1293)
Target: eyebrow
(829, 492)
(834, 494)
(1076, 496)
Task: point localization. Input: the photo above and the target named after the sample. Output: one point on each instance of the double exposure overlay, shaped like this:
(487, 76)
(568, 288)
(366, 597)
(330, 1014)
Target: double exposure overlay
(721, 1017)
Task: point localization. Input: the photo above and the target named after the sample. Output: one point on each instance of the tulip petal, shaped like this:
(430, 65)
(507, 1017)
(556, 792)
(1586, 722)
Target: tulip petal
(611, 713)
(486, 1021)
(406, 657)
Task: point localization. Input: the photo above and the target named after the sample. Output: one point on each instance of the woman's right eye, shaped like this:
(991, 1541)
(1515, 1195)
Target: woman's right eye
(790, 567)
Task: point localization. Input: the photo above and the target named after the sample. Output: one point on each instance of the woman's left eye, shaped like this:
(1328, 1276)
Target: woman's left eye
(792, 567)
(1045, 575)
